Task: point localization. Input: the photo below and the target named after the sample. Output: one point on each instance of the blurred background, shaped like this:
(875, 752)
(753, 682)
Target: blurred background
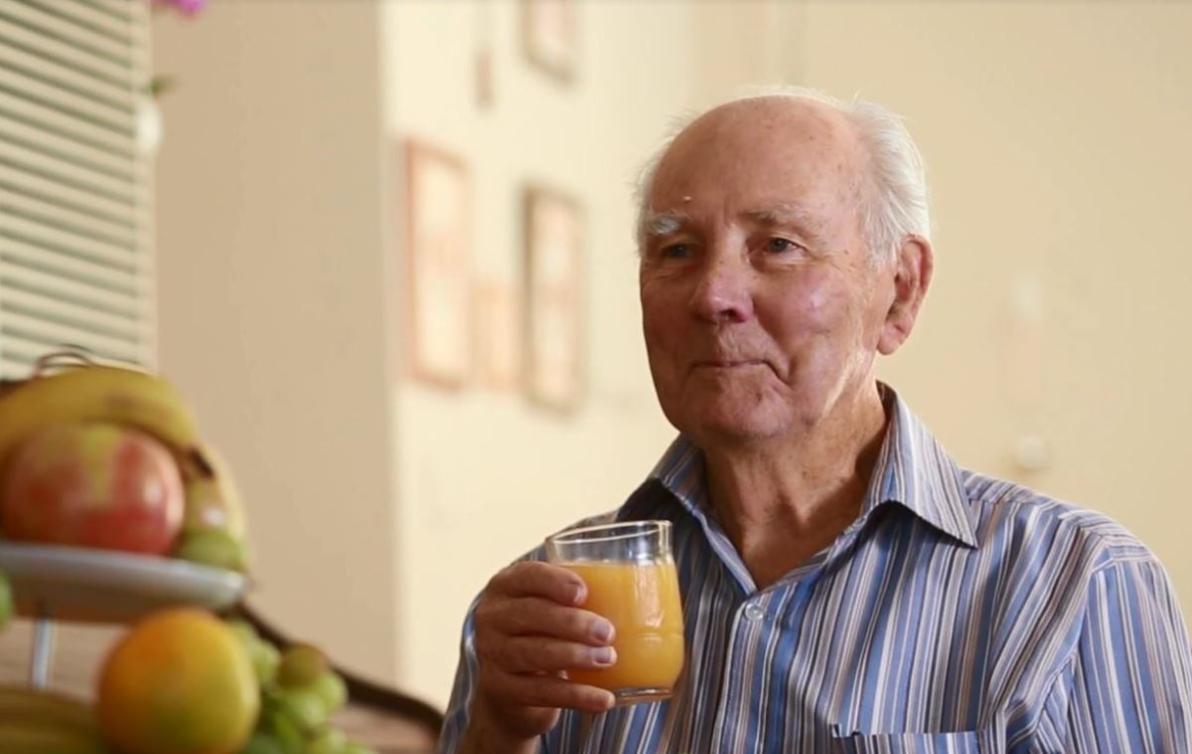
(386, 249)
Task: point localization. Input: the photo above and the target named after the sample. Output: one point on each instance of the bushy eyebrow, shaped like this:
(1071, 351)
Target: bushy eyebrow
(657, 224)
(791, 215)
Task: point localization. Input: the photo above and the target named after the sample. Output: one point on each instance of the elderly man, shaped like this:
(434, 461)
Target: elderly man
(846, 587)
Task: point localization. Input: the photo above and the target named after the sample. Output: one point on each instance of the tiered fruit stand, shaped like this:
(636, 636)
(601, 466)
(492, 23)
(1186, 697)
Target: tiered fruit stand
(55, 583)
(114, 510)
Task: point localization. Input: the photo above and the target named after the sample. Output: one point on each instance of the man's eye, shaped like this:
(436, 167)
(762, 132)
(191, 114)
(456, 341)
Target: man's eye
(781, 245)
(675, 251)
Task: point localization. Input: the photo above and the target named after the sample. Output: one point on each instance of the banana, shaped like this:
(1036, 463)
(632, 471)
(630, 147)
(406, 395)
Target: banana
(44, 710)
(212, 498)
(97, 393)
(35, 722)
(214, 528)
(20, 737)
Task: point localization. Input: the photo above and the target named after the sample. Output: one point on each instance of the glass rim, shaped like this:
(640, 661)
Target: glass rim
(576, 536)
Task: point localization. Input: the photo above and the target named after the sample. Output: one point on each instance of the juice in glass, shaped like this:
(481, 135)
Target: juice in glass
(642, 602)
(631, 579)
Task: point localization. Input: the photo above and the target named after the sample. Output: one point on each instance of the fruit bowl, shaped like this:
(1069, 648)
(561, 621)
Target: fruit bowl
(76, 584)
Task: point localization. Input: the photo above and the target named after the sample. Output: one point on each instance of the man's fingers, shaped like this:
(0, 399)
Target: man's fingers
(534, 579)
(534, 616)
(547, 691)
(536, 655)
(528, 628)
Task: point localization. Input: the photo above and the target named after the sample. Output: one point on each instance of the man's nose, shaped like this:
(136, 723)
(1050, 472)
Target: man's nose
(724, 290)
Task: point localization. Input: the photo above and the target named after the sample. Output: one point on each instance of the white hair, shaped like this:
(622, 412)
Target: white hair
(893, 202)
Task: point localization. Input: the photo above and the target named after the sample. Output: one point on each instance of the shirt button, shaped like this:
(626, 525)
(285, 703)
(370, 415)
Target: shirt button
(754, 611)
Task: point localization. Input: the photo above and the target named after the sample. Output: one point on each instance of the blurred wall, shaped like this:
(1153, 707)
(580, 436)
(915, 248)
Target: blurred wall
(271, 299)
(483, 475)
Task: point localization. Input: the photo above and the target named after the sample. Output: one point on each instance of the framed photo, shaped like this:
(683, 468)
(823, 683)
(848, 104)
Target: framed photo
(550, 30)
(555, 299)
(438, 290)
(499, 335)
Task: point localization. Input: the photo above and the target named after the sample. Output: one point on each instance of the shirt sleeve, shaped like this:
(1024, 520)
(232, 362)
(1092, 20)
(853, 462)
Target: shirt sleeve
(1131, 679)
(455, 721)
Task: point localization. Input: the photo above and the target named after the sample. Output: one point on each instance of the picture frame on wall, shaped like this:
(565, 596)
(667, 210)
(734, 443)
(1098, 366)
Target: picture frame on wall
(550, 35)
(555, 345)
(438, 280)
(499, 335)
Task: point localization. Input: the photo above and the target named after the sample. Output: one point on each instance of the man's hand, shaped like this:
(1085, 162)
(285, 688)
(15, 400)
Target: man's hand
(529, 628)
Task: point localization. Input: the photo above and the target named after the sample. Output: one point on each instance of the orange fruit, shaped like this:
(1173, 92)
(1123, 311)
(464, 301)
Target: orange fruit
(179, 682)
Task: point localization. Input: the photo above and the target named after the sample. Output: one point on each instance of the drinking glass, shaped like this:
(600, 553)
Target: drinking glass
(631, 578)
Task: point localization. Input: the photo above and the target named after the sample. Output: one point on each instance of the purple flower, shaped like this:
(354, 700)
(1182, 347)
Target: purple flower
(187, 7)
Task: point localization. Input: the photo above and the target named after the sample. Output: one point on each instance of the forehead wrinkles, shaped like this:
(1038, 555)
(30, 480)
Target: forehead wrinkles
(802, 167)
(815, 155)
(808, 215)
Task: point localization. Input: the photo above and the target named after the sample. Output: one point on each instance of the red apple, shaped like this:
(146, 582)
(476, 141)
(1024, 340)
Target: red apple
(93, 485)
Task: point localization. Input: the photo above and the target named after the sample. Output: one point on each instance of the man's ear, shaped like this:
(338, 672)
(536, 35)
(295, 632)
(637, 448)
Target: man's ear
(912, 275)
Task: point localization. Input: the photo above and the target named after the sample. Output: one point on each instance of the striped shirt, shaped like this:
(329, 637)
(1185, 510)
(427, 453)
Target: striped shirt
(957, 614)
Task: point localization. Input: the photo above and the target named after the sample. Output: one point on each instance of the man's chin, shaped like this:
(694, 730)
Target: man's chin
(730, 429)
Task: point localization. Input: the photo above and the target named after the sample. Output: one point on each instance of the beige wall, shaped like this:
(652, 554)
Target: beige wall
(1053, 136)
(1056, 135)
(271, 299)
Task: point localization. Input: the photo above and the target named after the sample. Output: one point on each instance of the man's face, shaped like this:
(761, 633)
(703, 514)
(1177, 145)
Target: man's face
(761, 308)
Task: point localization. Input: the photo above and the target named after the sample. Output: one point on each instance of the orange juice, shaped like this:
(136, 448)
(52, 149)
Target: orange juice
(642, 602)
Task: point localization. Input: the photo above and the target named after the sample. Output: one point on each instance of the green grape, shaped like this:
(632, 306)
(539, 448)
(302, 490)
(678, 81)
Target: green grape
(264, 655)
(6, 608)
(355, 747)
(302, 707)
(212, 547)
(263, 743)
(331, 689)
(327, 741)
(244, 632)
(285, 731)
(301, 665)
(265, 659)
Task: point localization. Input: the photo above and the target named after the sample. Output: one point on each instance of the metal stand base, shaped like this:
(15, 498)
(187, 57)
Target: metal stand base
(42, 657)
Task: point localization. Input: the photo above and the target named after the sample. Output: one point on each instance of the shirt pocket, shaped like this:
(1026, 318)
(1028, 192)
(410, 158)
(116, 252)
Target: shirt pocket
(963, 742)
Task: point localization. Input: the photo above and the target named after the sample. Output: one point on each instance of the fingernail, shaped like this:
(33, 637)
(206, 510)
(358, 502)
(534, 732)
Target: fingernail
(604, 655)
(579, 595)
(602, 631)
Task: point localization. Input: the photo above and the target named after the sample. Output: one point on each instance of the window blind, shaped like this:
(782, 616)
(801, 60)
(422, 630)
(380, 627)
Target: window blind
(76, 252)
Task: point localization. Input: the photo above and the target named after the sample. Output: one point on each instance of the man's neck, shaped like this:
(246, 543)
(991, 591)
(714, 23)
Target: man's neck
(781, 502)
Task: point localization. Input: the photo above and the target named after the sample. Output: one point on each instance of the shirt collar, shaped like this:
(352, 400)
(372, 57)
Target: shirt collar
(912, 470)
(681, 471)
